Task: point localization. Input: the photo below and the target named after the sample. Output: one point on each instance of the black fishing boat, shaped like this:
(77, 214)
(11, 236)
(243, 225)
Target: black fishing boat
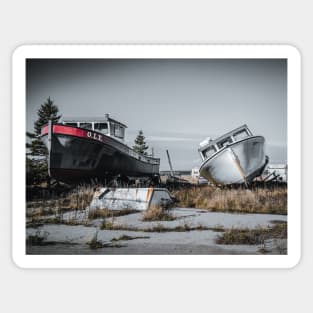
(93, 149)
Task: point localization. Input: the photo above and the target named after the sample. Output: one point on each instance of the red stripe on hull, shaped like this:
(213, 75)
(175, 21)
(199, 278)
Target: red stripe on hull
(72, 131)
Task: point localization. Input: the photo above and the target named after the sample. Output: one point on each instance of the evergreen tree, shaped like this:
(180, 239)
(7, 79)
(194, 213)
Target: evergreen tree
(47, 111)
(36, 171)
(140, 144)
(36, 155)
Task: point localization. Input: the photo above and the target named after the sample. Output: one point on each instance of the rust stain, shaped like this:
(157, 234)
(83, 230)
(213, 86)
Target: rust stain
(149, 194)
(236, 161)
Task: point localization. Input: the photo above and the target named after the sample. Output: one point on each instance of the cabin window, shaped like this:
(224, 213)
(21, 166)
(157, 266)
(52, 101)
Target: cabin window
(86, 125)
(241, 134)
(101, 127)
(71, 124)
(118, 131)
(208, 152)
(225, 142)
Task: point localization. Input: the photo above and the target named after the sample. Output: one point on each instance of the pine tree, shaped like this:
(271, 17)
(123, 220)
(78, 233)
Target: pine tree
(140, 144)
(47, 111)
(36, 155)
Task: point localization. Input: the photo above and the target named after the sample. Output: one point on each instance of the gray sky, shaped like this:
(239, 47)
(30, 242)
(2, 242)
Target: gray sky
(177, 103)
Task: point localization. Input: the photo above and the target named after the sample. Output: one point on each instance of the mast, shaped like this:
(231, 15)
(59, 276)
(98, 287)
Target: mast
(170, 163)
(50, 125)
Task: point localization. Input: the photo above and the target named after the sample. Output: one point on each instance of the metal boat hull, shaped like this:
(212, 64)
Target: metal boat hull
(237, 163)
(79, 155)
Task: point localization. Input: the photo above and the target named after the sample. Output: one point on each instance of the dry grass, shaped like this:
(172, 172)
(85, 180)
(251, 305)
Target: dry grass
(57, 221)
(158, 228)
(103, 213)
(108, 224)
(37, 239)
(94, 243)
(126, 237)
(256, 236)
(258, 200)
(77, 199)
(185, 227)
(52, 211)
(157, 213)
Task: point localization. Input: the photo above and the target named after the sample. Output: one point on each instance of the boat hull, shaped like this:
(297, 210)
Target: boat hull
(79, 155)
(237, 163)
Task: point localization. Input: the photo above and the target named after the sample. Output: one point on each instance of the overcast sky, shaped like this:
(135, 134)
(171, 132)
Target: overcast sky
(177, 103)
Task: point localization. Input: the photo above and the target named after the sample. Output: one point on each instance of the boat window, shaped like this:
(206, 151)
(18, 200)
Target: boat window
(86, 125)
(71, 124)
(225, 142)
(118, 131)
(208, 152)
(101, 127)
(241, 134)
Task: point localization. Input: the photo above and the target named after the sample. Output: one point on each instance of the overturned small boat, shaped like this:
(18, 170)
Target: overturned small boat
(93, 149)
(138, 199)
(234, 158)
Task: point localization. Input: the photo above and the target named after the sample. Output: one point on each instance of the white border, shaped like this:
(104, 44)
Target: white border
(157, 51)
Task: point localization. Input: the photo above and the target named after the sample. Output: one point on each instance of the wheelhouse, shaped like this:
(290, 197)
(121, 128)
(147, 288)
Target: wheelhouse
(213, 146)
(106, 126)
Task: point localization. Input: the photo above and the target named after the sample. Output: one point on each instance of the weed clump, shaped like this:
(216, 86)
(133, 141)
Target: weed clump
(104, 212)
(126, 237)
(157, 213)
(256, 236)
(37, 239)
(94, 243)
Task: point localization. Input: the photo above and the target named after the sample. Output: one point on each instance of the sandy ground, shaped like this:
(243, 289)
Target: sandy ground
(65, 239)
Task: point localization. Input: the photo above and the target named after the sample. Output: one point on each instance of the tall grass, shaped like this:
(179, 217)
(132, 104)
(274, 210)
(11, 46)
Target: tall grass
(77, 199)
(54, 211)
(258, 200)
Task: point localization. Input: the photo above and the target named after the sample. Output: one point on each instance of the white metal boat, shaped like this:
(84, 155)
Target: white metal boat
(234, 158)
(138, 199)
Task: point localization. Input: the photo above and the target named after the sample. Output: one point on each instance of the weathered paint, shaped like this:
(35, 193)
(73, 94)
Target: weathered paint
(221, 168)
(149, 194)
(129, 198)
(96, 136)
(279, 170)
(237, 163)
(78, 154)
